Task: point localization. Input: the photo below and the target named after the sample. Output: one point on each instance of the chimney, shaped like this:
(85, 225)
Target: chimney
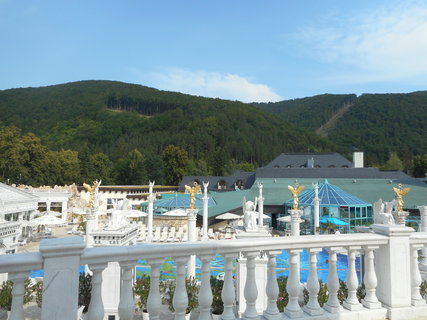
(358, 159)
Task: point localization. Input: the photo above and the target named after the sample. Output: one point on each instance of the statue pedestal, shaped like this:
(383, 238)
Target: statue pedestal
(400, 217)
(295, 221)
(192, 236)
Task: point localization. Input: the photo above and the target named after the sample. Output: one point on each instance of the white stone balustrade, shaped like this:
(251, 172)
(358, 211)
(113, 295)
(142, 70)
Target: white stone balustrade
(61, 258)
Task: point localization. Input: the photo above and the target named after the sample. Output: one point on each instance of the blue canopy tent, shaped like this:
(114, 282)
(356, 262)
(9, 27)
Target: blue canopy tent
(336, 203)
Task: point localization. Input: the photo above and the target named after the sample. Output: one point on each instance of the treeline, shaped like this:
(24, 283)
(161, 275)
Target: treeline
(25, 159)
(378, 124)
(115, 120)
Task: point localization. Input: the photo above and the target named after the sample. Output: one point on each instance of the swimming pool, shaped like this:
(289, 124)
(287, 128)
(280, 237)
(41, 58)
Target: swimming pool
(168, 268)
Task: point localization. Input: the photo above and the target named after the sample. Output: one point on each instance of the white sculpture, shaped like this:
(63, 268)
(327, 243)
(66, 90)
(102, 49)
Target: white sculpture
(382, 212)
(249, 214)
(151, 185)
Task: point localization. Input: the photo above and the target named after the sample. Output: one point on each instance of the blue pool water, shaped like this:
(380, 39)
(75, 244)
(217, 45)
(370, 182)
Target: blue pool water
(217, 266)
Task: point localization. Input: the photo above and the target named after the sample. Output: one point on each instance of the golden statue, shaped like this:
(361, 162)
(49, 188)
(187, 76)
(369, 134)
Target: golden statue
(193, 191)
(400, 193)
(295, 192)
(92, 190)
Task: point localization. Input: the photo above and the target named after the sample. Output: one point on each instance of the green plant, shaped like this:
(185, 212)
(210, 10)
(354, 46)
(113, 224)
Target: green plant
(322, 295)
(38, 292)
(423, 289)
(283, 298)
(342, 292)
(192, 288)
(85, 288)
(217, 304)
(6, 295)
(142, 289)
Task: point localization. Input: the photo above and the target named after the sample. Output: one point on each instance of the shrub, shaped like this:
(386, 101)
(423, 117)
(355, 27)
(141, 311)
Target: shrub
(217, 304)
(142, 290)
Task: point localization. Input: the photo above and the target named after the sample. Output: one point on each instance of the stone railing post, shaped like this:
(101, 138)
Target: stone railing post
(250, 291)
(96, 305)
(154, 301)
(312, 307)
(228, 293)
(370, 280)
(126, 307)
(18, 291)
(295, 221)
(180, 298)
(205, 293)
(392, 266)
(416, 298)
(423, 215)
(61, 277)
(293, 286)
(333, 283)
(352, 303)
(272, 288)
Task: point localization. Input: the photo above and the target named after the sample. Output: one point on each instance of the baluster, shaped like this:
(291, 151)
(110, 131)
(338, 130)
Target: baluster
(312, 307)
(293, 286)
(370, 280)
(154, 301)
(180, 298)
(250, 292)
(352, 303)
(272, 288)
(96, 305)
(333, 283)
(416, 298)
(228, 293)
(205, 293)
(18, 290)
(127, 303)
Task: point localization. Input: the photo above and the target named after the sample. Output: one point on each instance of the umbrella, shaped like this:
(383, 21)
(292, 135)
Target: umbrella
(136, 214)
(176, 213)
(264, 216)
(161, 210)
(228, 216)
(284, 219)
(79, 211)
(48, 221)
(335, 221)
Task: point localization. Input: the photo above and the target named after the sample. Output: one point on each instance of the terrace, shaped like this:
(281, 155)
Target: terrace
(391, 276)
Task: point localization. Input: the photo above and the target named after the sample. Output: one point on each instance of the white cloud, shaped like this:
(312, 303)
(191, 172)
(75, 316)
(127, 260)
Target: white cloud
(213, 84)
(387, 44)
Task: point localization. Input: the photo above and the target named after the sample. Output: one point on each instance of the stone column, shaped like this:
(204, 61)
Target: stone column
(423, 215)
(64, 210)
(90, 227)
(316, 210)
(400, 217)
(393, 266)
(151, 199)
(295, 221)
(205, 212)
(192, 218)
(61, 277)
(260, 206)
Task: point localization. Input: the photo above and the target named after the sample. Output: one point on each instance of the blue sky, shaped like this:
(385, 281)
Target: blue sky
(233, 49)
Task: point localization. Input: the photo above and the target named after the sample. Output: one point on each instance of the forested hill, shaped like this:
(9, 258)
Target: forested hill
(375, 123)
(116, 119)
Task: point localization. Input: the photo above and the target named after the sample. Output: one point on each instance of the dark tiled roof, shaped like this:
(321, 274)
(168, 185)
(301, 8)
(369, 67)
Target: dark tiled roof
(298, 160)
(247, 178)
(322, 173)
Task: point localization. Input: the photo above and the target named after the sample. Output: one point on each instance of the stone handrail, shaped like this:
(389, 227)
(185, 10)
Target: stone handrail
(389, 253)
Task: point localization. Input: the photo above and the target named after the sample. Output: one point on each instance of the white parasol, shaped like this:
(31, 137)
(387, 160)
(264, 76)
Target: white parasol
(228, 216)
(48, 221)
(284, 219)
(135, 214)
(176, 213)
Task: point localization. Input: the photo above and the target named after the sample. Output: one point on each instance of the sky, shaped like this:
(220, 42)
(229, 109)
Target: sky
(247, 50)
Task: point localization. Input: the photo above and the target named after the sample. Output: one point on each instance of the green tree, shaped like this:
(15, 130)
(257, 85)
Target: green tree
(101, 167)
(393, 163)
(175, 161)
(420, 166)
(154, 168)
(130, 169)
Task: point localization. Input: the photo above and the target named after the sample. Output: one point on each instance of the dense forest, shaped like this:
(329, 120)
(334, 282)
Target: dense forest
(378, 124)
(127, 134)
